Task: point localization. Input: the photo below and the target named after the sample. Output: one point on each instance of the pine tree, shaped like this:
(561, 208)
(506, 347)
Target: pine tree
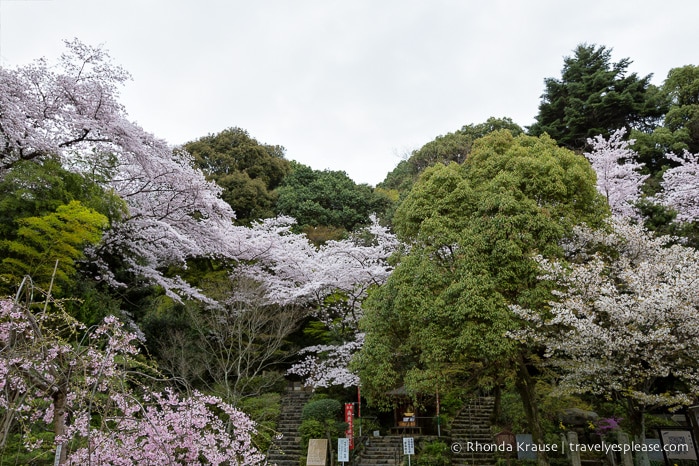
(596, 96)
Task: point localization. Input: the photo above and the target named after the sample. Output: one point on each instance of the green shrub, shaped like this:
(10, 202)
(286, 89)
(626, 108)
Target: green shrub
(309, 429)
(264, 410)
(435, 453)
(321, 410)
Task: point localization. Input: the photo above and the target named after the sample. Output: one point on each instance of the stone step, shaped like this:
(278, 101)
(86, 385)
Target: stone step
(382, 451)
(472, 424)
(480, 431)
(471, 433)
(287, 450)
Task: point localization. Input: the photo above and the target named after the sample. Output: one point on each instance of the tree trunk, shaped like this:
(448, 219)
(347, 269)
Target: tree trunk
(330, 446)
(637, 416)
(497, 407)
(8, 416)
(526, 386)
(59, 422)
(5, 423)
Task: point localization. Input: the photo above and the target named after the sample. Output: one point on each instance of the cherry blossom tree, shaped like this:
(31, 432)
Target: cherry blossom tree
(328, 365)
(618, 178)
(84, 386)
(626, 324)
(168, 429)
(71, 112)
(333, 281)
(58, 111)
(681, 187)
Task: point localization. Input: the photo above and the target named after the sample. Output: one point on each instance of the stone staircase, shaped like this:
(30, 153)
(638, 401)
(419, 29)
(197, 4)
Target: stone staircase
(381, 451)
(286, 451)
(472, 427)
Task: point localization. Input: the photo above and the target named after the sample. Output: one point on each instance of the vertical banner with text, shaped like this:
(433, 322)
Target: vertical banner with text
(349, 419)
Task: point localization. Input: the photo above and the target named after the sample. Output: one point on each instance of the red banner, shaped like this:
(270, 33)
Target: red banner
(349, 419)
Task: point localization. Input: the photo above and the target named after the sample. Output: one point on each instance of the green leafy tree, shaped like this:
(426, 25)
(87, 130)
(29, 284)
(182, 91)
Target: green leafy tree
(451, 147)
(31, 189)
(47, 247)
(596, 96)
(682, 85)
(247, 170)
(327, 198)
(442, 316)
(320, 419)
(680, 129)
(36, 189)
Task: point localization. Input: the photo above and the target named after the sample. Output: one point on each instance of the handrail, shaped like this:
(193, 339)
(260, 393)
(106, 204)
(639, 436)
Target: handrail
(359, 447)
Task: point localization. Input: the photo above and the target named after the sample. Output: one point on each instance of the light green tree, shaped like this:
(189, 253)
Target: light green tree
(442, 315)
(451, 147)
(47, 247)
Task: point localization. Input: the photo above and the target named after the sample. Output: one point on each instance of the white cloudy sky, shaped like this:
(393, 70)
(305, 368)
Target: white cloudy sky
(346, 85)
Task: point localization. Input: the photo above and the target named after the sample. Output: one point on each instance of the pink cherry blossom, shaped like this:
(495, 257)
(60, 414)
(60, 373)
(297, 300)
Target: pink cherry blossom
(681, 187)
(618, 178)
(50, 366)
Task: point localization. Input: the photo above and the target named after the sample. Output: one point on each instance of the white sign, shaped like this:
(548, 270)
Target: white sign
(678, 444)
(317, 452)
(343, 450)
(408, 446)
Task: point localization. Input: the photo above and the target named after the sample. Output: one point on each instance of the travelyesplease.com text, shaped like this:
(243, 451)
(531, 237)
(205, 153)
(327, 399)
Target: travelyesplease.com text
(603, 447)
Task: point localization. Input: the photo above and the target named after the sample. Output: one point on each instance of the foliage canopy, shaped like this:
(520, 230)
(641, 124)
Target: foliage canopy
(247, 170)
(327, 198)
(596, 96)
(442, 315)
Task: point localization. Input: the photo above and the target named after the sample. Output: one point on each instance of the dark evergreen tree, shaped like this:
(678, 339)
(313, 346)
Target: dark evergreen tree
(596, 96)
(327, 198)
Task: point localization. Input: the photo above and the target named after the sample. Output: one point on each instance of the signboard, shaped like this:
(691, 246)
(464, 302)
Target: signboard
(408, 446)
(57, 460)
(349, 419)
(317, 452)
(655, 450)
(678, 444)
(527, 452)
(343, 450)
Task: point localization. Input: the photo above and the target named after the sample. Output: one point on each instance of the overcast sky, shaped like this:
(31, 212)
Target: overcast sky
(345, 85)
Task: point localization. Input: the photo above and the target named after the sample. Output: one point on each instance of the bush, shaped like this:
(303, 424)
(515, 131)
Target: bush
(309, 429)
(435, 453)
(264, 410)
(328, 429)
(321, 410)
(367, 425)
